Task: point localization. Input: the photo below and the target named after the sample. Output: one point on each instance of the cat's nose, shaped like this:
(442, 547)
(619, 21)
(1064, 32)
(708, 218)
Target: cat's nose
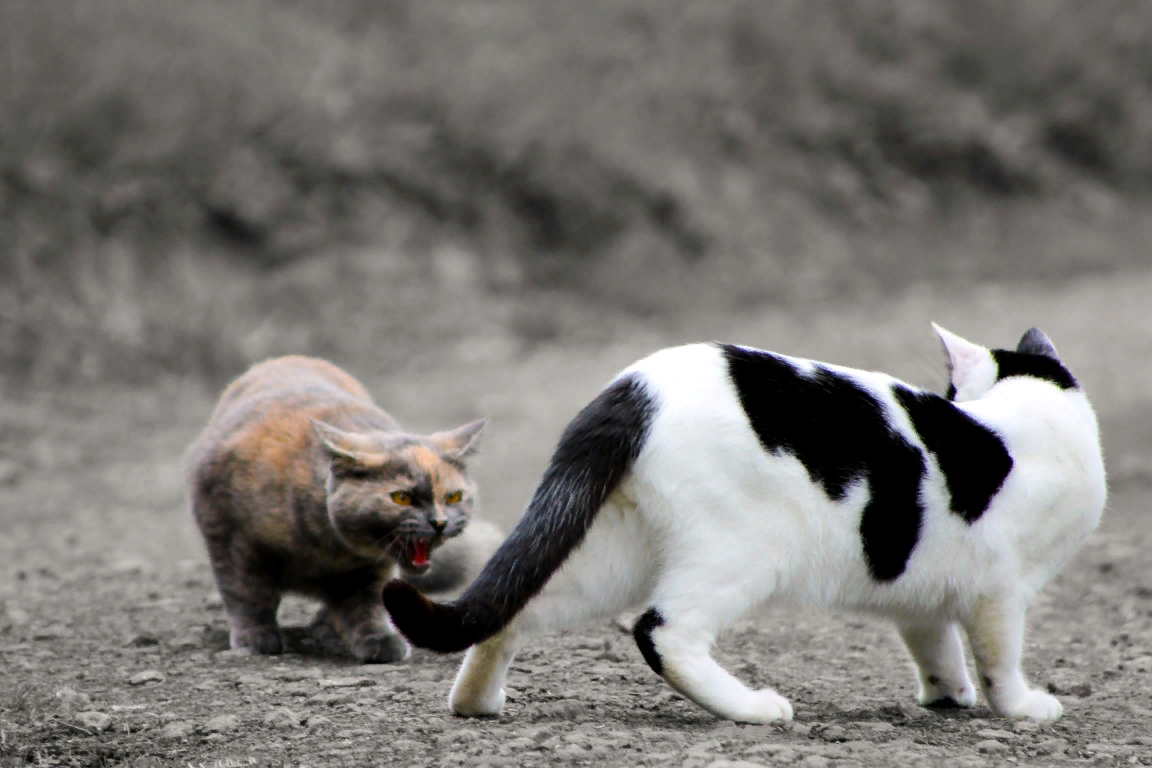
(438, 524)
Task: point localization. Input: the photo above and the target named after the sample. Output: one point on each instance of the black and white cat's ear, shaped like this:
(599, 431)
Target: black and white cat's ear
(460, 442)
(1036, 342)
(971, 367)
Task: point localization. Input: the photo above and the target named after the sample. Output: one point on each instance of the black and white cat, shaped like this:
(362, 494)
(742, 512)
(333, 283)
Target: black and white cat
(708, 479)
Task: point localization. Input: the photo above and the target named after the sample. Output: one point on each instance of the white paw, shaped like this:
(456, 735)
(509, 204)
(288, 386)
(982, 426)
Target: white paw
(468, 702)
(767, 706)
(945, 695)
(1034, 704)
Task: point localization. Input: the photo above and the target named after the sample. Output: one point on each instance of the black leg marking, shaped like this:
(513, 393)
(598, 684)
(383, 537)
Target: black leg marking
(642, 632)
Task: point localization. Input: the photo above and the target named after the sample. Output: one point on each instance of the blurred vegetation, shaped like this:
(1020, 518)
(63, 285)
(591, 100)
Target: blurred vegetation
(160, 159)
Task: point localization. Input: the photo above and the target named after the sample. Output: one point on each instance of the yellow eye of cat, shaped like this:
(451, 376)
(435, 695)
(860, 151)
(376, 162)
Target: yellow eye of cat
(454, 498)
(403, 498)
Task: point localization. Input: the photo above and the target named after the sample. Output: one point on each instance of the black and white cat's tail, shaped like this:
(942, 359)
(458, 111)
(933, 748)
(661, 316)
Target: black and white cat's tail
(596, 451)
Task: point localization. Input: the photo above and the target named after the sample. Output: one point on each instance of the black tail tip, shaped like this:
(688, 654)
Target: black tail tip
(424, 623)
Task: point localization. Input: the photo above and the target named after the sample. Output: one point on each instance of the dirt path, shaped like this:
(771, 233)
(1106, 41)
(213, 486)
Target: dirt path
(113, 646)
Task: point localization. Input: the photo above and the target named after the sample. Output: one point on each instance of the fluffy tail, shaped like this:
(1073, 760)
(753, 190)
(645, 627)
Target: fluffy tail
(597, 449)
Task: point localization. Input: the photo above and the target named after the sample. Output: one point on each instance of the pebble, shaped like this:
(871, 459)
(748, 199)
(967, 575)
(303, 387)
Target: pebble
(734, 764)
(1083, 690)
(222, 724)
(94, 720)
(563, 709)
(347, 682)
(990, 747)
(177, 729)
(282, 717)
(1022, 726)
(1050, 746)
(143, 640)
(72, 700)
(50, 632)
(833, 733)
(147, 676)
(816, 761)
(993, 733)
(702, 748)
(330, 699)
(316, 721)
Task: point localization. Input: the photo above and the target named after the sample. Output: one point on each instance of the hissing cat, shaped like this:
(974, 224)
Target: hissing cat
(710, 478)
(300, 483)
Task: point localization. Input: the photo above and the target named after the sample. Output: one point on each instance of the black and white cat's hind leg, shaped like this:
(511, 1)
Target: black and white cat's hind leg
(676, 642)
(938, 651)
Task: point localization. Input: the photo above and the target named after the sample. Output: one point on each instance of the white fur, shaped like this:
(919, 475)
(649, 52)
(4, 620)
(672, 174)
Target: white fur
(708, 525)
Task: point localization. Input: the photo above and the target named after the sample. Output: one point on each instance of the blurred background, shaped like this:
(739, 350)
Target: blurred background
(487, 207)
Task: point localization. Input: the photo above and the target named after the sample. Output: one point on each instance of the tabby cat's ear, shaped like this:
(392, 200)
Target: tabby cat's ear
(460, 442)
(971, 367)
(1036, 342)
(337, 444)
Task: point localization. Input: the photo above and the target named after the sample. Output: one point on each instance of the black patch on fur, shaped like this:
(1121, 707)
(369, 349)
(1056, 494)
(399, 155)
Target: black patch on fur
(1038, 366)
(987, 681)
(933, 680)
(642, 632)
(841, 434)
(951, 393)
(972, 457)
(594, 454)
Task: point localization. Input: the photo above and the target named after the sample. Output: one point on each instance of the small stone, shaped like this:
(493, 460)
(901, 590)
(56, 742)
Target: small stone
(50, 632)
(94, 720)
(222, 724)
(282, 717)
(833, 733)
(879, 726)
(143, 640)
(562, 709)
(991, 747)
(316, 721)
(1025, 726)
(177, 729)
(330, 699)
(1050, 746)
(347, 682)
(1083, 690)
(145, 677)
(994, 733)
(734, 764)
(816, 761)
(72, 700)
(186, 642)
(702, 748)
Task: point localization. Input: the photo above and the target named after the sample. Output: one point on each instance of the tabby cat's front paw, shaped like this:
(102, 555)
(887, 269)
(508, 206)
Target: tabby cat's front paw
(380, 649)
(767, 707)
(256, 641)
(1034, 704)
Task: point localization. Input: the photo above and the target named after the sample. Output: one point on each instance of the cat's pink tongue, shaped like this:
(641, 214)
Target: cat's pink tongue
(420, 552)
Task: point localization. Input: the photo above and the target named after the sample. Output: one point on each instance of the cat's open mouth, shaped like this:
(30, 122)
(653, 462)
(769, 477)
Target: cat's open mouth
(414, 555)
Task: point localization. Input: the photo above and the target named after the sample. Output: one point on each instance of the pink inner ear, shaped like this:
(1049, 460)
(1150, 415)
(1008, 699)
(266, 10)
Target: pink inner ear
(963, 355)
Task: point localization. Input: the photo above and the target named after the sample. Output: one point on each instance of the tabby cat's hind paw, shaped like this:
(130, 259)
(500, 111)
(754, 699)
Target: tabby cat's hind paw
(1034, 704)
(263, 641)
(380, 649)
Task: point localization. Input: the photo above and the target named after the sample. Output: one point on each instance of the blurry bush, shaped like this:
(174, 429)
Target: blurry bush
(150, 149)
